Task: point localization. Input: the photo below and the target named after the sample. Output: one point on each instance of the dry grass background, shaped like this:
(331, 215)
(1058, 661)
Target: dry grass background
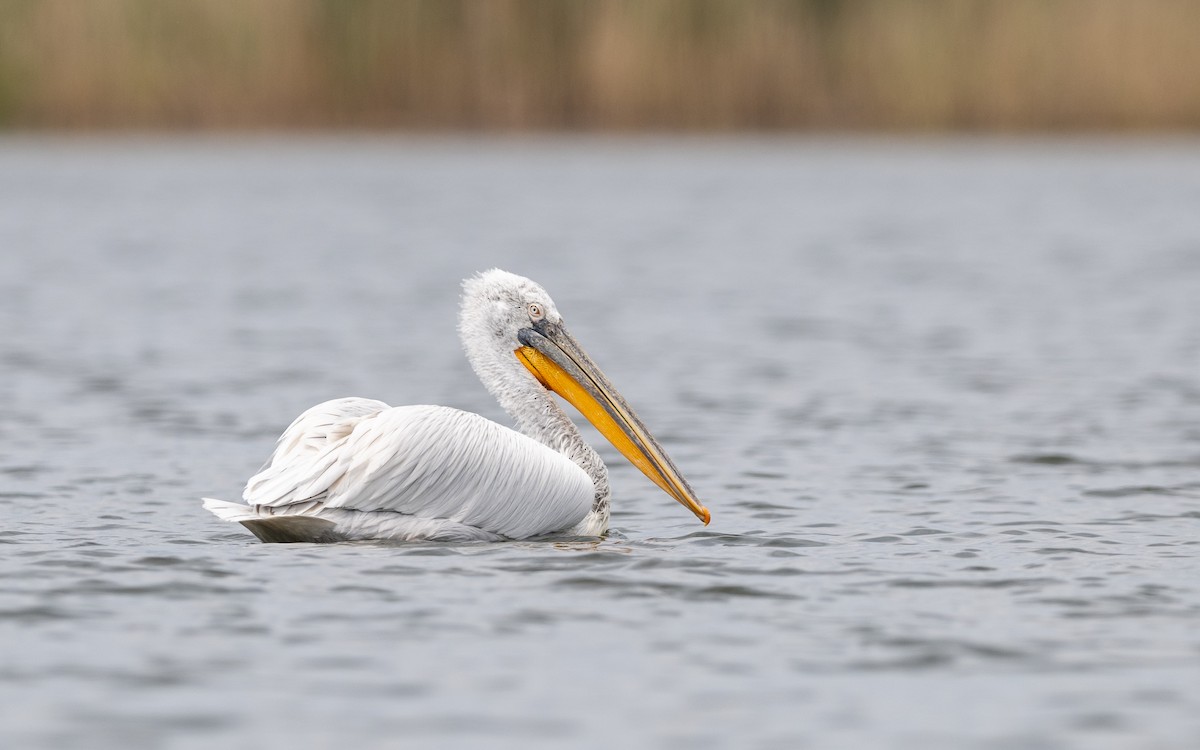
(1007, 65)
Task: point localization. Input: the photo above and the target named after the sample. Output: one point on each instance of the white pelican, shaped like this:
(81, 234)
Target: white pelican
(355, 468)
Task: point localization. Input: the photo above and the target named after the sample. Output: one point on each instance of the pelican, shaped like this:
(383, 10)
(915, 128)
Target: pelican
(358, 469)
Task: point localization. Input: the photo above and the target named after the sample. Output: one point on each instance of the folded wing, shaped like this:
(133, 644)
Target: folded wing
(423, 461)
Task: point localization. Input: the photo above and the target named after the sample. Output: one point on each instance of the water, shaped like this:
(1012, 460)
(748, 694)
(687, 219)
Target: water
(943, 399)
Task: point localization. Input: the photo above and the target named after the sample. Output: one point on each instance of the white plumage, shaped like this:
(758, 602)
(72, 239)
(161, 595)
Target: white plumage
(355, 468)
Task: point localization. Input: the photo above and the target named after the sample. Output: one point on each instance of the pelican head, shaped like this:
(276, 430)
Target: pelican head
(516, 341)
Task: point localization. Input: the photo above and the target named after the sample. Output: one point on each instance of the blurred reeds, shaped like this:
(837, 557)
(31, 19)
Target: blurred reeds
(601, 64)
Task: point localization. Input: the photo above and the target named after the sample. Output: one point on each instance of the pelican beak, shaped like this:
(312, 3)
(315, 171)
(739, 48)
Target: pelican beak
(560, 364)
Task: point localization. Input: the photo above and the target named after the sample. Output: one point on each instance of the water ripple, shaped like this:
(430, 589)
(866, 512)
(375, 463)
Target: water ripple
(952, 458)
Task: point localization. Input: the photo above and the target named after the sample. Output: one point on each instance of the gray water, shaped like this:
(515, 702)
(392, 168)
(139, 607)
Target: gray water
(943, 399)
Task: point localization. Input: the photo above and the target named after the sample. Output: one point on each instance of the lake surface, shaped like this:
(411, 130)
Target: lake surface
(942, 397)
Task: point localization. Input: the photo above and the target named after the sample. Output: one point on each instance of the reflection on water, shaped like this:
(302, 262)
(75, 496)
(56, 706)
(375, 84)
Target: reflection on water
(942, 399)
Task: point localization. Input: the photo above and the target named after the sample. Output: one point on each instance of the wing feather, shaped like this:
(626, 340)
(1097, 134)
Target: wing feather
(425, 461)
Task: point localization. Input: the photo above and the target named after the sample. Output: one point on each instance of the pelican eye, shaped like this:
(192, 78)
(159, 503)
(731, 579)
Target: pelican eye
(535, 311)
